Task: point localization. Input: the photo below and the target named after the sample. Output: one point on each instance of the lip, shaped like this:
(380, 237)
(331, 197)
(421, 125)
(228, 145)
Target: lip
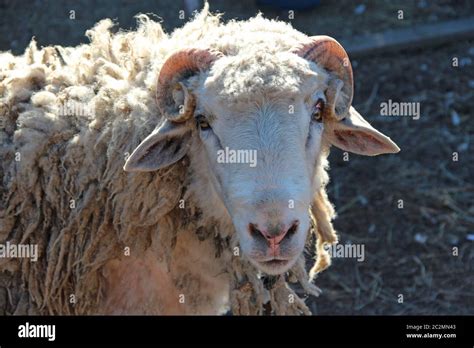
(274, 263)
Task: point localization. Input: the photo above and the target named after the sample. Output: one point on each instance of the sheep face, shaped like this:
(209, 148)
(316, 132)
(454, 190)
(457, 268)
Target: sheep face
(254, 131)
(254, 123)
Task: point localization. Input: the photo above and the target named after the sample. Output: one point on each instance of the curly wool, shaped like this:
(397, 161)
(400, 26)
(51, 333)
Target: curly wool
(63, 187)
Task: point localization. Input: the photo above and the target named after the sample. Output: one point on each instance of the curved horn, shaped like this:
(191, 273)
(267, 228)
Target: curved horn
(328, 53)
(179, 65)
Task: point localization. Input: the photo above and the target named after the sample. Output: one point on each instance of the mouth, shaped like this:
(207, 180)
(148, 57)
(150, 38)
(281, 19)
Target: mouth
(274, 263)
(274, 266)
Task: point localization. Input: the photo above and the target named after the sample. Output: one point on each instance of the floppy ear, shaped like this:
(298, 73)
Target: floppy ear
(166, 145)
(354, 134)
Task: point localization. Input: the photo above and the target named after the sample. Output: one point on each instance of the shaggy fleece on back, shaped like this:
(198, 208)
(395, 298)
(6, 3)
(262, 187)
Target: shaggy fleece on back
(63, 187)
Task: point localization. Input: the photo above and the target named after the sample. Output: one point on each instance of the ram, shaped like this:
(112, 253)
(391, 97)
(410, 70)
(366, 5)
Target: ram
(112, 168)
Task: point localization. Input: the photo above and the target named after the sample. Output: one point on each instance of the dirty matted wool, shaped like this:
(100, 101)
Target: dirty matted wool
(71, 116)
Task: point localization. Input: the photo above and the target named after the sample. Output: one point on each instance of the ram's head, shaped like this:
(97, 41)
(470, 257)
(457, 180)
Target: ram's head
(258, 122)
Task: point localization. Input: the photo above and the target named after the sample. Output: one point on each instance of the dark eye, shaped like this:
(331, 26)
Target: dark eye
(202, 122)
(318, 110)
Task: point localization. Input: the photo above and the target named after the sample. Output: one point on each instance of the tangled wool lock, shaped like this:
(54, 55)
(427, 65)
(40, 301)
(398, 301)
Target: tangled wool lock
(114, 242)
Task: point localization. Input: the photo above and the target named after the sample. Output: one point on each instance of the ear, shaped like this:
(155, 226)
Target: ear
(166, 145)
(355, 134)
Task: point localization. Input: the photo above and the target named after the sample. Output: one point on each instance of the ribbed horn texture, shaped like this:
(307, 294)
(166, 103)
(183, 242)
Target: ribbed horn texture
(178, 65)
(328, 53)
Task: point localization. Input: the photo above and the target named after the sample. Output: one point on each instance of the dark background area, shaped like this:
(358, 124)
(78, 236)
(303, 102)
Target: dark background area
(49, 20)
(408, 251)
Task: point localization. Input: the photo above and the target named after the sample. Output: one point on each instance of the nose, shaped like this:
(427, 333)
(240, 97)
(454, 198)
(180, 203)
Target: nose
(274, 233)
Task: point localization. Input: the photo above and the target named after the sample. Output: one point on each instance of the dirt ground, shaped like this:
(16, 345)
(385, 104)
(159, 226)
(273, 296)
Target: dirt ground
(409, 250)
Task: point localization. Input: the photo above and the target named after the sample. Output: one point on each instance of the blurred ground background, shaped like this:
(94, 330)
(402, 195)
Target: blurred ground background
(408, 251)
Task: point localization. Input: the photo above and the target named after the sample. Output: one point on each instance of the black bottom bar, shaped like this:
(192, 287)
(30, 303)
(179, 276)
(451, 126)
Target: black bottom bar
(416, 330)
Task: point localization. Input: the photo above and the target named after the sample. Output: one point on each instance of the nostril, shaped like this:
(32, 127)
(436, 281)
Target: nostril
(293, 228)
(254, 231)
(274, 237)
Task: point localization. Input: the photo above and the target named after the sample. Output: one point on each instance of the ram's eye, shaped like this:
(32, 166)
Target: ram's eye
(202, 122)
(318, 110)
